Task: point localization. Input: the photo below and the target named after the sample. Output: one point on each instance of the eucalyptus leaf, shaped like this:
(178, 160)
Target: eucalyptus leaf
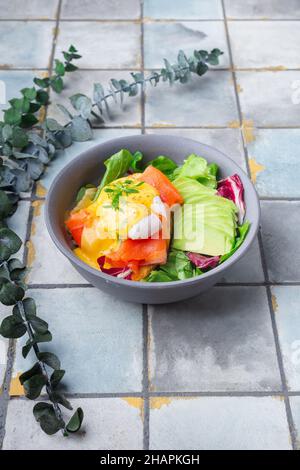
(76, 421)
(56, 377)
(80, 129)
(50, 359)
(47, 419)
(12, 327)
(10, 243)
(10, 293)
(34, 386)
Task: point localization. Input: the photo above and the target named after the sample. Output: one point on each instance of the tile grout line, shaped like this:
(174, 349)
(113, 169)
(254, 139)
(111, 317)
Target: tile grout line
(195, 394)
(146, 412)
(149, 20)
(5, 397)
(285, 390)
(240, 116)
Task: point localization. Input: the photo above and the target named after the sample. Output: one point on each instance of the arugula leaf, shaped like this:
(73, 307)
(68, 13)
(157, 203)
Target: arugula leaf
(178, 267)
(165, 165)
(243, 230)
(136, 158)
(116, 166)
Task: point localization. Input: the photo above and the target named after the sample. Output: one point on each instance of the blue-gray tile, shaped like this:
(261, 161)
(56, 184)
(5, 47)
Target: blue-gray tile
(26, 44)
(286, 301)
(295, 406)
(188, 10)
(103, 10)
(228, 141)
(277, 154)
(268, 9)
(272, 44)
(248, 269)
(28, 10)
(107, 45)
(99, 136)
(18, 223)
(109, 423)
(219, 423)
(97, 337)
(82, 82)
(204, 101)
(268, 98)
(45, 262)
(281, 239)
(163, 40)
(219, 341)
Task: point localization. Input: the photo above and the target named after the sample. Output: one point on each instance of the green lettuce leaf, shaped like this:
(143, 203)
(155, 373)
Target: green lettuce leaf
(165, 165)
(178, 267)
(116, 166)
(242, 232)
(196, 167)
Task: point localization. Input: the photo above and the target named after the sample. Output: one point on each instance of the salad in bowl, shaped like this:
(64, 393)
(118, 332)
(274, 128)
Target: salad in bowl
(158, 221)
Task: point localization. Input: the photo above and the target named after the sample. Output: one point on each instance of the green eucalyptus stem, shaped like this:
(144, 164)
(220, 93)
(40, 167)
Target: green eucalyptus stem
(37, 351)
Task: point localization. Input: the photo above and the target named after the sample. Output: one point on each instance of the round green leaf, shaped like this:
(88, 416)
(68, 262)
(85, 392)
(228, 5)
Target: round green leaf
(45, 415)
(50, 359)
(10, 243)
(12, 116)
(12, 327)
(75, 422)
(10, 293)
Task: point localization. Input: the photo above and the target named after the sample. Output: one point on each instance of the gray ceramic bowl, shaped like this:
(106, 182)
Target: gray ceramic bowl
(88, 168)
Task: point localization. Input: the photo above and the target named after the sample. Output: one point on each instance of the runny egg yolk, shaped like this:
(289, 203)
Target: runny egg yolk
(111, 223)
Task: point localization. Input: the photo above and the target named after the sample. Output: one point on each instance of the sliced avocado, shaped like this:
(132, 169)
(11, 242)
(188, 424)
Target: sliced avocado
(206, 223)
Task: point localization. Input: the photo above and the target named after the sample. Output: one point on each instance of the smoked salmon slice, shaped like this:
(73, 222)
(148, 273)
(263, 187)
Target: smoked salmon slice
(168, 193)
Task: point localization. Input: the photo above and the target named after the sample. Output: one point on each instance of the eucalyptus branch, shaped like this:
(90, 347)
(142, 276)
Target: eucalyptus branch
(181, 71)
(24, 156)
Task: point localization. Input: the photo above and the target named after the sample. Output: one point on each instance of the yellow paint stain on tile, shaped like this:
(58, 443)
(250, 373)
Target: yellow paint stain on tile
(239, 88)
(161, 124)
(37, 206)
(44, 74)
(274, 302)
(16, 389)
(279, 397)
(33, 229)
(137, 403)
(157, 402)
(30, 253)
(40, 190)
(255, 168)
(234, 124)
(42, 114)
(248, 130)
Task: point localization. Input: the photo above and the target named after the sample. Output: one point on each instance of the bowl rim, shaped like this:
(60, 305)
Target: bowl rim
(159, 285)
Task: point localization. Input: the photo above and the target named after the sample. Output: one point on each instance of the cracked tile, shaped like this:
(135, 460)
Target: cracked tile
(220, 423)
(286, 301)
(100, 346)
(103, 10)
(270, 98)
(26, 44)
(214, 342)
(82, 82)
(120, 40)
(268, 9)
(213, 105)
(280, 222)
(188, 10)
(122, 424)
(276, 152)
(272, 44)
(228, 141)
(163, 40)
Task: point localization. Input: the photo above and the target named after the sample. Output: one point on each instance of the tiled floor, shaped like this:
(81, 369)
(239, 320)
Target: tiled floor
(217, 372)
